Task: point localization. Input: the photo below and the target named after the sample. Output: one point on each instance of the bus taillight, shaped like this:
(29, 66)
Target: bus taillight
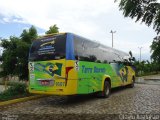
(67, 71)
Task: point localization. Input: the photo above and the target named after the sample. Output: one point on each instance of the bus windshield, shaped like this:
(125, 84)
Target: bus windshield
(48, 48)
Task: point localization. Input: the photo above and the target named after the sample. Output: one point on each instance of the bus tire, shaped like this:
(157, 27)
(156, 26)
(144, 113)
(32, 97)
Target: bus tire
(132, 84)
(106, 90)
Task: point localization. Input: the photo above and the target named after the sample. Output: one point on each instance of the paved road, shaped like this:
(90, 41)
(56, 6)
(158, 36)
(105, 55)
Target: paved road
(151, 79)
(143, 99)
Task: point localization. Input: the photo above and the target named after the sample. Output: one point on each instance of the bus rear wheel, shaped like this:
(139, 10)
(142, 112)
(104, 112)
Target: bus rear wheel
(106, 90)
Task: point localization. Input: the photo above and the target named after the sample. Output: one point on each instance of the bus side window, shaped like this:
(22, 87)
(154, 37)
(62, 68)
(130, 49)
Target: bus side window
(86, 50)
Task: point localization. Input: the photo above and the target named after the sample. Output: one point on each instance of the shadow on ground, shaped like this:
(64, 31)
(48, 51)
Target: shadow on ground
(77, 99)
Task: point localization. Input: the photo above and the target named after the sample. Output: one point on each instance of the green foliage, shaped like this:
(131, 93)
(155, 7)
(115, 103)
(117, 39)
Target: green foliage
(146, 67)
(14, 91)
(130, 53)
(16, 51)
(53, 29)
(15, 54)
(155, 48)
(147, 11)
(29, 35)
(105, 61)
(98, 61)
(9, 56)
(131, 59)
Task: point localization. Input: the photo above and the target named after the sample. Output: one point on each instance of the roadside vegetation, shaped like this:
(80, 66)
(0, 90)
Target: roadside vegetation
(146, 68)
(15, 90)
(147, 12)
(16, 51)
(14, 62)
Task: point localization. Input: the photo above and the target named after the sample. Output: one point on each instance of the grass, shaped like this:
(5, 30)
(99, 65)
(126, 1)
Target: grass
(146, 74)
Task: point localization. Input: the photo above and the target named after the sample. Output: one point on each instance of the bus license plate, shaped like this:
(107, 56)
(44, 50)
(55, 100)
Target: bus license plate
(46, 82)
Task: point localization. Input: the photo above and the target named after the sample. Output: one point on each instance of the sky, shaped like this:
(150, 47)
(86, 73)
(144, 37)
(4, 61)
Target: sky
(93, 19)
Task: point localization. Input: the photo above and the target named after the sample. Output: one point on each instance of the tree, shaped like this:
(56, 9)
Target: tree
(15, 54)
(16, 51)
(9, 55)
(53, 29)
(146, 11)
(29, 35)
(155, 48)
(131, 59)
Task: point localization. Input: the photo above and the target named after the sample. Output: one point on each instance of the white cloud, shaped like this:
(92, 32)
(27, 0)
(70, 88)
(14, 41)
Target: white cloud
(6, 19)
(90, 18)
(47, 12)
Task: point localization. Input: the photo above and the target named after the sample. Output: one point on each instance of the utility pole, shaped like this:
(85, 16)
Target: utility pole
(112, 32)
(140, 53)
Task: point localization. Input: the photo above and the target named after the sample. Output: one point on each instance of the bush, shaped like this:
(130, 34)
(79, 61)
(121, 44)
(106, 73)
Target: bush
(14, 91)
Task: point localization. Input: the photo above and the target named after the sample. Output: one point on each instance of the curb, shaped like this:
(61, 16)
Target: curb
(20, 100)
(151, 79)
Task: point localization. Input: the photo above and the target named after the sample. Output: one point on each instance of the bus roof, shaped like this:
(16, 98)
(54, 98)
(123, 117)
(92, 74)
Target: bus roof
(119, 53)
(105, 47)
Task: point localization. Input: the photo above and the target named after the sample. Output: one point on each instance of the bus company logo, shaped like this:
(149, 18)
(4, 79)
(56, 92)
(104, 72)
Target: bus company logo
(93, 69)
(48, 39)
(47, 44)
(46, 48)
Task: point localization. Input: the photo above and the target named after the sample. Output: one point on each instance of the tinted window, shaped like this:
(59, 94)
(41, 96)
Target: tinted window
(86, 50)
(49, 48)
